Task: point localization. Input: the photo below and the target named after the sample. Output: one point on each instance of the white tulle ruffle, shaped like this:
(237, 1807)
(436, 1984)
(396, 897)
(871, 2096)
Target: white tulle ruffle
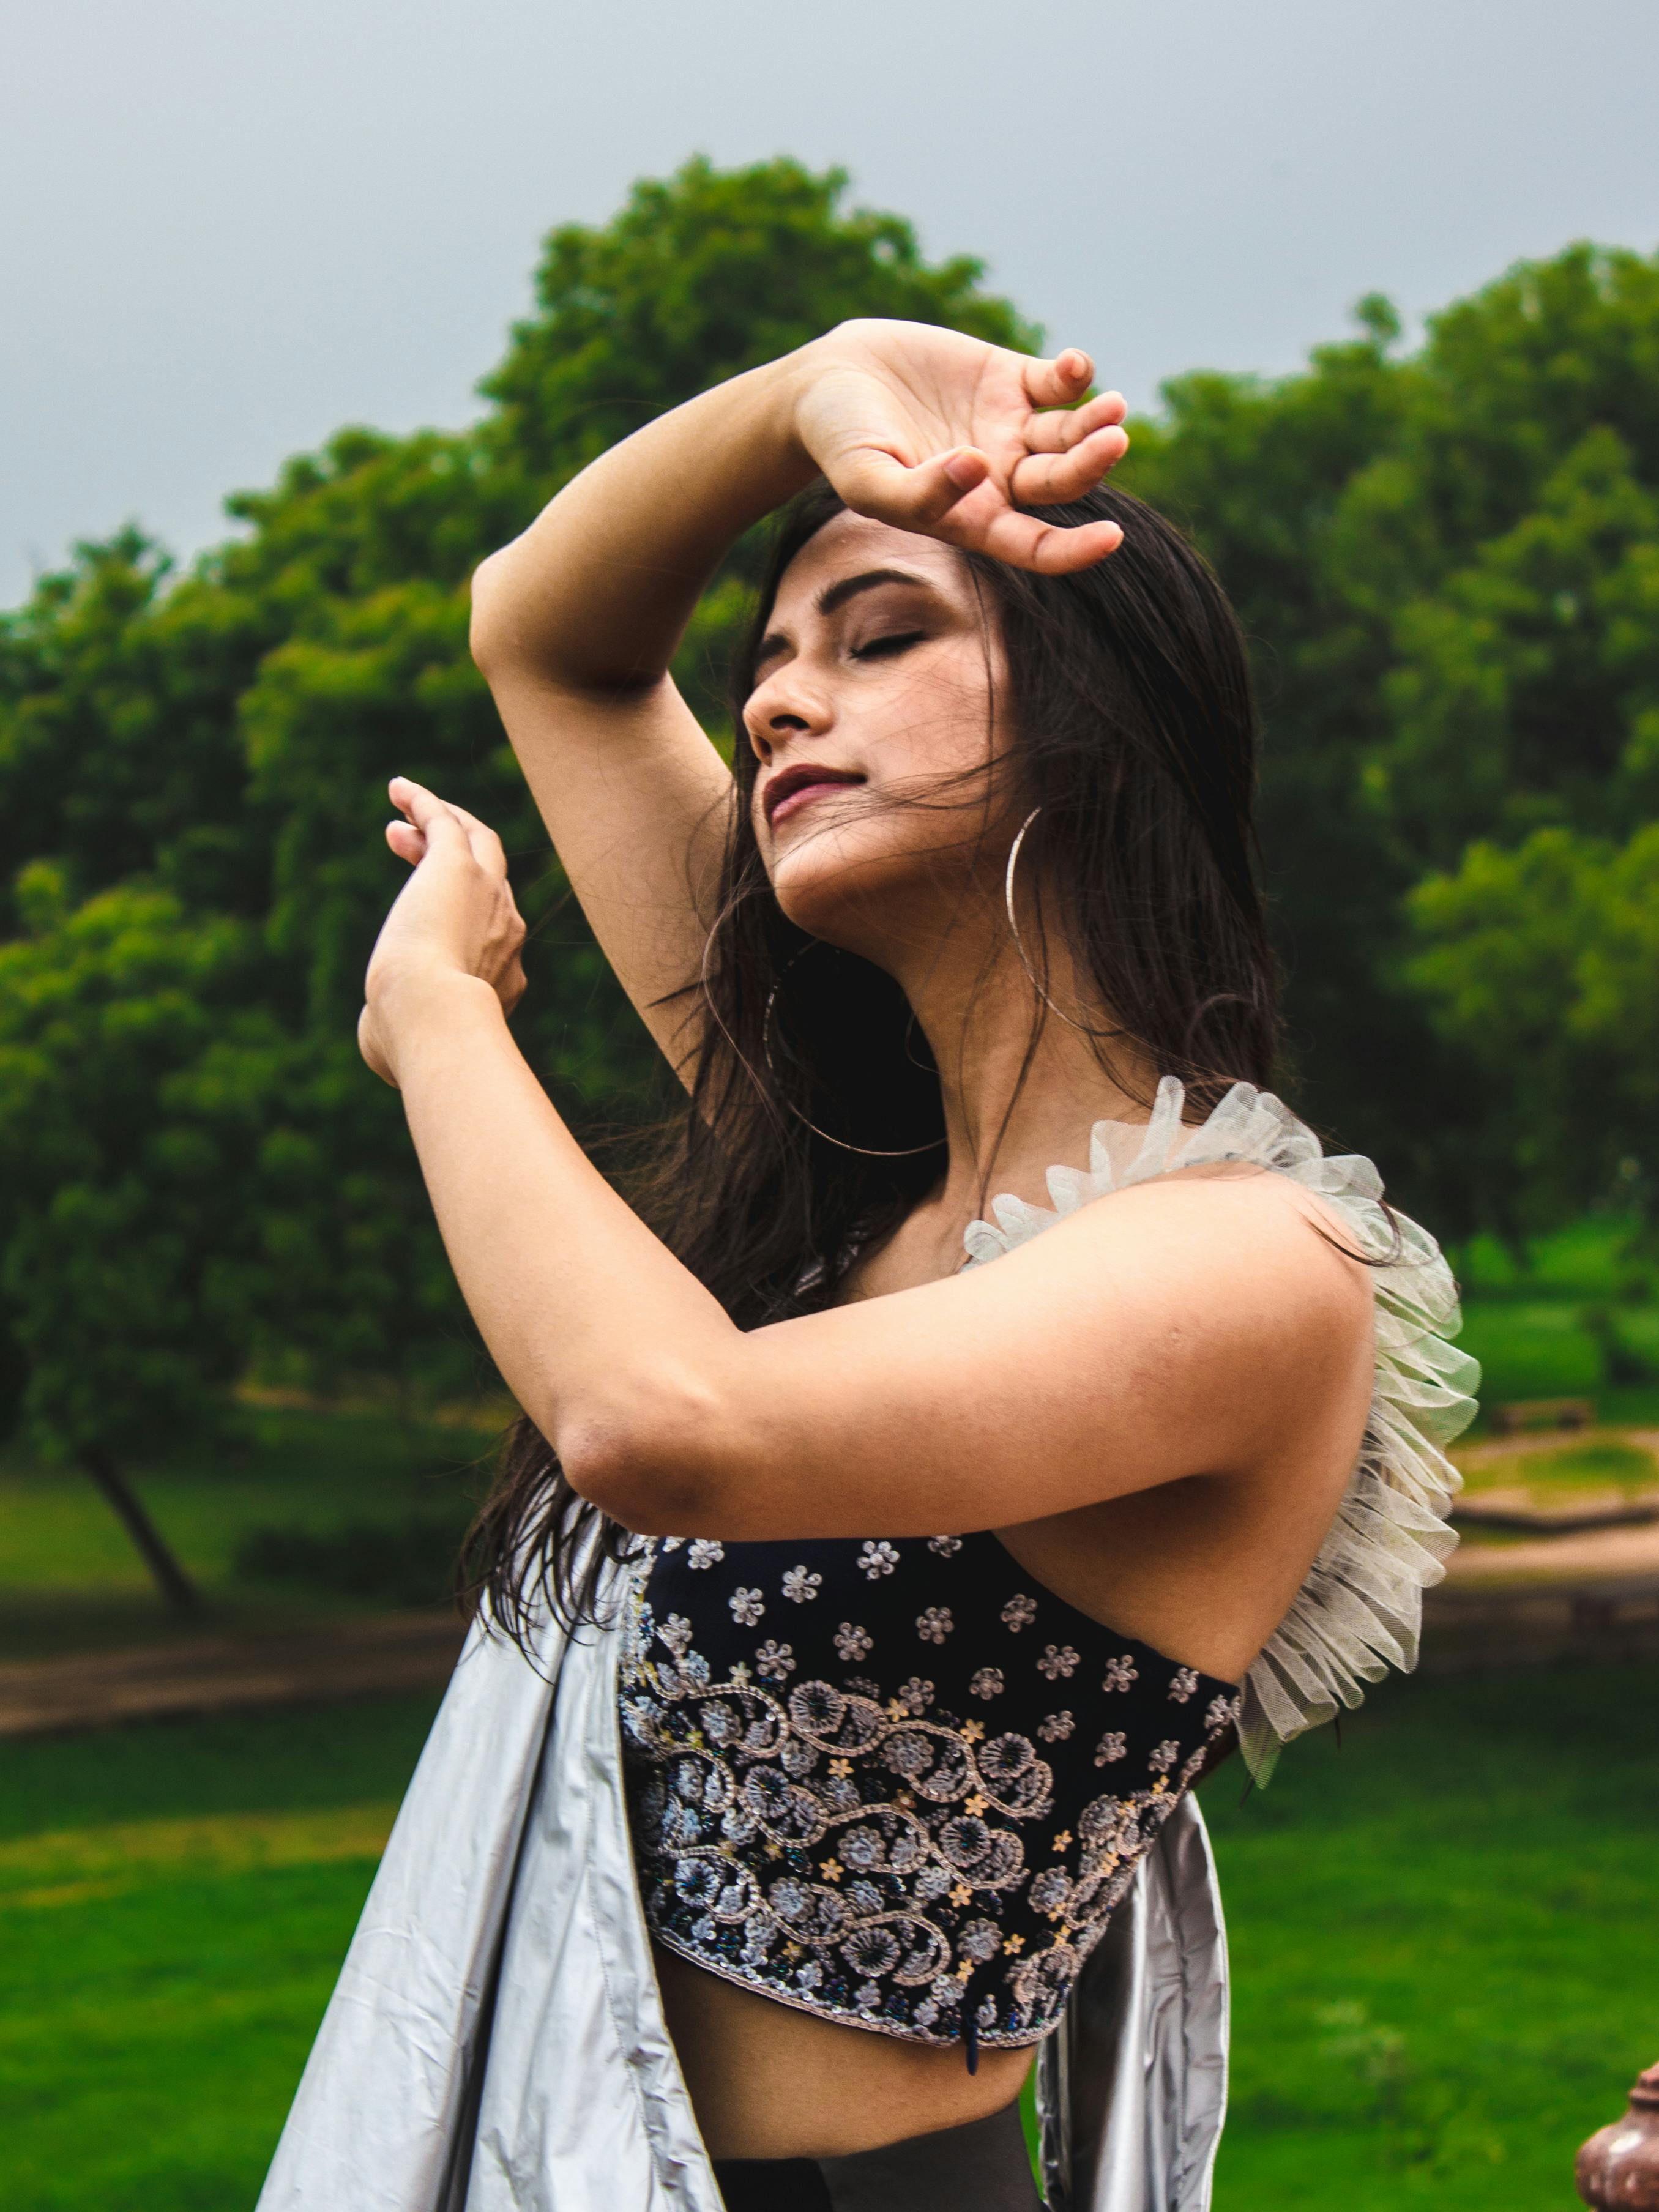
(1360, 1609)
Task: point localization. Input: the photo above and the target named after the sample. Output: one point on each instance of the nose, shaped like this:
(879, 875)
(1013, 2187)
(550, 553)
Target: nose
(785, 706)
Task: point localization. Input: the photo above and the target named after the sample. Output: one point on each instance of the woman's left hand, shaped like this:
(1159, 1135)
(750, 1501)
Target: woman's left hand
(454, 917)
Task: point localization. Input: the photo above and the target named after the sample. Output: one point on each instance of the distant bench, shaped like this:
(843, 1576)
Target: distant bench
(1509, 1420)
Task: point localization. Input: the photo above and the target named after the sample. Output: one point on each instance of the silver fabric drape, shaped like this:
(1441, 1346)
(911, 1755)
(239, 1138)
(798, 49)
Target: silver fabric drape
(496, 2042)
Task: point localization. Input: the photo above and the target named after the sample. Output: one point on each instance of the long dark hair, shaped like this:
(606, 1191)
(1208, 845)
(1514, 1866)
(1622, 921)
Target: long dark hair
(1134, 744)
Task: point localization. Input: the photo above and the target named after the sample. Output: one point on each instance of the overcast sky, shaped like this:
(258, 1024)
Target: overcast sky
(233, 225)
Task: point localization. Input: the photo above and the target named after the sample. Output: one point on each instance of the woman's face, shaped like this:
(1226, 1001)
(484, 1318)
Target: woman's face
(876, 713)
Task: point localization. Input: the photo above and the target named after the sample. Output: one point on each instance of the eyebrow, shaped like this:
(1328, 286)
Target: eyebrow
(836, 596)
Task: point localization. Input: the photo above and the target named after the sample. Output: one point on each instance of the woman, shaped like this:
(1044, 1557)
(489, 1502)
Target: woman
(939, 1582)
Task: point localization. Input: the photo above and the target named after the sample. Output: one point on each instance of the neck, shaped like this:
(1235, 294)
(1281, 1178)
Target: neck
(1021, 1084)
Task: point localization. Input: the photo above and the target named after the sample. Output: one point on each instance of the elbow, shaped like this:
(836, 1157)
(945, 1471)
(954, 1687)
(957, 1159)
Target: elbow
(490, 632)
(649, 1469)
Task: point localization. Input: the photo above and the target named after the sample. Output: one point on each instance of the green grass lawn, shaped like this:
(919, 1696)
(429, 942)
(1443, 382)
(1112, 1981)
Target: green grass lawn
(1442, 1935)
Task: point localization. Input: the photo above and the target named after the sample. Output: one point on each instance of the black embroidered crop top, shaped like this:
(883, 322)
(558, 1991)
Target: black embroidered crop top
(899, 1785)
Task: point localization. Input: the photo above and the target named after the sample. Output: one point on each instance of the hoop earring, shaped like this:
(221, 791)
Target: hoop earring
(1059, 1013)
(870, 1151)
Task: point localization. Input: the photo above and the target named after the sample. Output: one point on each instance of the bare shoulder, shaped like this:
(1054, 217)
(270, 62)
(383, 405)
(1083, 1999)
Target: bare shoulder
(1232, 1276)
(1234, 1223)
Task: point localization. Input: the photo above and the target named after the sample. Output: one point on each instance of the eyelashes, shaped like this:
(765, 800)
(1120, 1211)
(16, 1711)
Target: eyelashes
(884, 648)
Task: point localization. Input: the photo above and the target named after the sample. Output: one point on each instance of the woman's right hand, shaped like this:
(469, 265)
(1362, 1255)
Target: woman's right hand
(938, 432)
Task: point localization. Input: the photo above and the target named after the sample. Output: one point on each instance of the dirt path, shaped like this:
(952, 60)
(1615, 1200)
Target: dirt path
(1588, 1553)
(218, 1674)
(1539, 1598)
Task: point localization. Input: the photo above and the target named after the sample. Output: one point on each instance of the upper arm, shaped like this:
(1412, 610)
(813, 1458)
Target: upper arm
(1184, 1327)
(636, 800)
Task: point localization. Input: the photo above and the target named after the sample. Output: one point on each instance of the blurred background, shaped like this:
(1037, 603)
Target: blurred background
(1381, 287)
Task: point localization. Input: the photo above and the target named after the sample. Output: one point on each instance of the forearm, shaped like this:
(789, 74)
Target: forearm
(596, 593)
(615, 1350)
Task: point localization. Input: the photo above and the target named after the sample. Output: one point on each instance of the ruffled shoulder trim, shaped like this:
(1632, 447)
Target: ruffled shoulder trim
(1360, 1609)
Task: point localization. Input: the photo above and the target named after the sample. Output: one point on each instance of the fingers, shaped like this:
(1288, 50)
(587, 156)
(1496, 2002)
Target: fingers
(1058, 382)
(1045, 479)
(426, 812)
(1024, 542)
(933, 498)
(874, 483)
(1061, 428)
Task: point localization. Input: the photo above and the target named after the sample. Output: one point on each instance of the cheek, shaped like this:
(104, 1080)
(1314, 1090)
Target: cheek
(939, 725)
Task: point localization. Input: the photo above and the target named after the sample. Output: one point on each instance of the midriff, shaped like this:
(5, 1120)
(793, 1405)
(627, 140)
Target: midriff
(768, 2081)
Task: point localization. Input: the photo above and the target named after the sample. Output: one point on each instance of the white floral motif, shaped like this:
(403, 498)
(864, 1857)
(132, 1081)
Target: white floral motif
(877, 1560)
(747, 1607)
(1164, 1757)
(935, 1625)
(800, 1583)
(988, 1682)
(705, 1551)
(915, 1696)
(672, 1543)
(1058, 1659)
(774, 1660)
(944, 1546)
(1120, 1673)
(1019, 1612)
(1112, 1745)
(1056, 1728)
(1220, 1712)
(1185, 1682)
(676, 1632)
(853, 1642)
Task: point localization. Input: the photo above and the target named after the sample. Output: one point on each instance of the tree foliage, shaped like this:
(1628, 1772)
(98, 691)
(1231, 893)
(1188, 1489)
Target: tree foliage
(200, 1173)
(1448, 564)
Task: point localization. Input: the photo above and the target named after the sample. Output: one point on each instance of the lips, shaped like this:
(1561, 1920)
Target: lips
(793, 788)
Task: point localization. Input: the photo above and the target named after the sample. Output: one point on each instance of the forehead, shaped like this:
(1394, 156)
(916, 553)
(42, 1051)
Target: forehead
(849, 545)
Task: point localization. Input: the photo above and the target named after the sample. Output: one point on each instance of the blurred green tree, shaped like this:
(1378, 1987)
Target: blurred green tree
(192, 774)
(1449, 567)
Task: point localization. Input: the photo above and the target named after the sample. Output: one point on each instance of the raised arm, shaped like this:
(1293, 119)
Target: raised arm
(575, 622)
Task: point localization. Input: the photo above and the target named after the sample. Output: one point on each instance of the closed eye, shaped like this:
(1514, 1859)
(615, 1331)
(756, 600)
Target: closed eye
(880, 648)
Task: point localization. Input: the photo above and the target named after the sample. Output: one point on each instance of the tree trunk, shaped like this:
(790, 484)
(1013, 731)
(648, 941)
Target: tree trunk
(179, 1592)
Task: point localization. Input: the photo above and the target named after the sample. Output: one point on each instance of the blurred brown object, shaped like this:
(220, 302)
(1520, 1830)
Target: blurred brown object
(1508, 1420)
(1617, 2169)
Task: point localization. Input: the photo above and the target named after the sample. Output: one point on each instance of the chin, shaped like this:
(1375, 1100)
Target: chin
(865, 894)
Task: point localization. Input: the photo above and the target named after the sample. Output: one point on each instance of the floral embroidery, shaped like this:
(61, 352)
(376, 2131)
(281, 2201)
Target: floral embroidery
(1120, 1673)
(1221, 1712)
(862, 1846)
(1050, 1891)
(705, 1551)
(944, 1546)
(1185, 1683)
